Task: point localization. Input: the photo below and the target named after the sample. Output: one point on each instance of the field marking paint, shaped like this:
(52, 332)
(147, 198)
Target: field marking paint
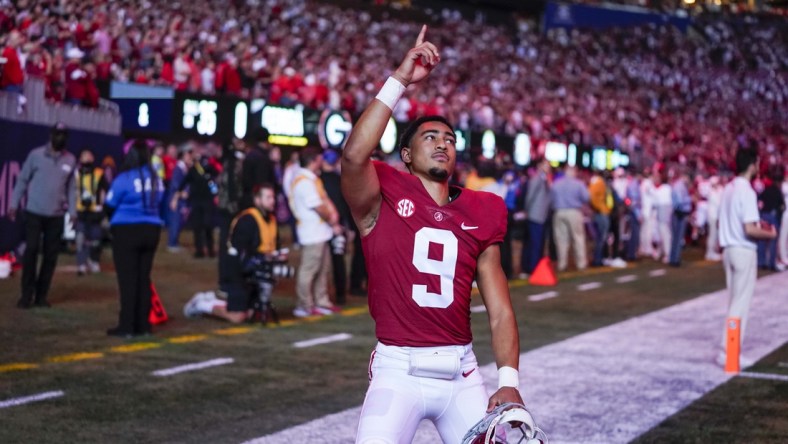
(589, 286)
(542, 296)
(192, 367)
(233, 331)
(187, 339)
(657, 273)
(75, 357)
(324, 340)
(666, 372)
(17, 366)
(28, 399)
(478, 309)
(626, 278)
(354, 311)
(769, 376)
(131, 348)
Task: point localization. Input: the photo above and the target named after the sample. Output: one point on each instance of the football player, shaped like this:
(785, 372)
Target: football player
(424, 243)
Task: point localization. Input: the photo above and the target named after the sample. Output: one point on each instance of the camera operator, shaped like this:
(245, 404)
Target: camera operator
(253, 238)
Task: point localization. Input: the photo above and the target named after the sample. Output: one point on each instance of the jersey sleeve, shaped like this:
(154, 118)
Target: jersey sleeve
(496, 208)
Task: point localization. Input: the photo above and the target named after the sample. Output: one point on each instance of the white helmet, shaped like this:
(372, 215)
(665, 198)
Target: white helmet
(508, 423)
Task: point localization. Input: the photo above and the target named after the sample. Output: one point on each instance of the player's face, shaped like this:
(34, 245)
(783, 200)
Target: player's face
(432, 151)
(265, 200)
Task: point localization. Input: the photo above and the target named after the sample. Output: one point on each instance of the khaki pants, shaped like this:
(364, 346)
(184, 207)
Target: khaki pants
(568, 229)
(312, 278)
(741, 272)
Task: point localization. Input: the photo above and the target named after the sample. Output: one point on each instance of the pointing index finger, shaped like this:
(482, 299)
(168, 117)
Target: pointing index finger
(420, 40)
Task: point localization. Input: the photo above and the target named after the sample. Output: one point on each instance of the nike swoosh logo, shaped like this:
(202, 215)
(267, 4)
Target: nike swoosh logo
(467, 227)
(466, 374)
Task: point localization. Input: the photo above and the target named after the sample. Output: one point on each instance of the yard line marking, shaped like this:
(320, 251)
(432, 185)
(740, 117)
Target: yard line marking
(589, 286)
(16, 366)
(323, 340)
(626, 278)
(75, 357)
(233, 331)
(27, 399)
(191, 367)
(131, 348)
(478, 309)
(354, 311)
(769, 376)
(542, 296)
(659, 272)
(187, 338)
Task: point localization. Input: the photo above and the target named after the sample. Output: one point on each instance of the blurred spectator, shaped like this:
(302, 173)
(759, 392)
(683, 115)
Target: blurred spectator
(663, 206)
(569, 196)
(133, 200)
(682, 208)
(771, 207)
(12, 77)
(634, 214)
(782, 242)
(47, 184)
(713, 210)
(203, 191)
(331, 183)
(257, 167)
(229, 202)
(177, 204)
(601, 200)
(91, 188)
(317, 222)
(537, 208)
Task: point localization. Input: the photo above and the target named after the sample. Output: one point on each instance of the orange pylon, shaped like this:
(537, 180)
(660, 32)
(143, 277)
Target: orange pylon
(543, 274)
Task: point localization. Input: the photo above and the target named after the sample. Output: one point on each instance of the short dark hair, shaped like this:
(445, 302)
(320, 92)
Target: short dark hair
(307, 155)
(263, 186)
(744, 158)
(410, 131)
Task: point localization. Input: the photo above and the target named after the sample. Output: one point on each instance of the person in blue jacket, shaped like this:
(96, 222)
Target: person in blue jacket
(135, 224)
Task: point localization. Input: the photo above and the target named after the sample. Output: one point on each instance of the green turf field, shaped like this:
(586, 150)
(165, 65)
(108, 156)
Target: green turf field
(109, 394)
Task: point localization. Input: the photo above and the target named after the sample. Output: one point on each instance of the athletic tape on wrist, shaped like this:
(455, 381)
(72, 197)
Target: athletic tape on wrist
(391, 92)
(508, 377)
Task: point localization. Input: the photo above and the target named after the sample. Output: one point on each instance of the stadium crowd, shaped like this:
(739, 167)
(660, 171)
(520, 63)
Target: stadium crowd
(651, 90)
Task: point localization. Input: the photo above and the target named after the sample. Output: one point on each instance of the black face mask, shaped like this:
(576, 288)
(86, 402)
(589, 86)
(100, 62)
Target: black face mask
(58, 141)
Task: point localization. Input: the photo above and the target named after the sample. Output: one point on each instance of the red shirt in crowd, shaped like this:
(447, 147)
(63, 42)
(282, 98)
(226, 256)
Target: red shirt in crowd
(12, 69)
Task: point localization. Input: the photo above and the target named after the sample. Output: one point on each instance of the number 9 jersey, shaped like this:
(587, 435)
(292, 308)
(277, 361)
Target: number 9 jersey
(421, 258)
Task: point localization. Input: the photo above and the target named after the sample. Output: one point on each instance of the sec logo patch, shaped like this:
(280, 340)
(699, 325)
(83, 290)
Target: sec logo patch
(405, 208)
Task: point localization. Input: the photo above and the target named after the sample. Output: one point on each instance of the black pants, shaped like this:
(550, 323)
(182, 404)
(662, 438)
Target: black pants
(506, 246)
(340, 276)
(202, 225)
(225, 220)
(358, 268)
(133, 248)
(36, 282)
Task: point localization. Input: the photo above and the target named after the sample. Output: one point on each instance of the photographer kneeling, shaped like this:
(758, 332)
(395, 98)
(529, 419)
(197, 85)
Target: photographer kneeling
(252, 245)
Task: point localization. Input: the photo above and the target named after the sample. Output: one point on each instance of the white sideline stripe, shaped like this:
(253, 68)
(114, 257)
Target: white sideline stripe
(324, 340)
(626, 278)
(769, 376)
(191, 367)
(13, 402)
(630, 376)
(660, 272)
(589, 286)
(478, 309)
(542, 296)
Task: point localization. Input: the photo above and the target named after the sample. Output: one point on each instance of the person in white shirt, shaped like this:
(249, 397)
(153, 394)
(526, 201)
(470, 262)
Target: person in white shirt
(663, 206)
(317, 220)
(647, 191)
(782, 242)
(713, 213)
(740, 227)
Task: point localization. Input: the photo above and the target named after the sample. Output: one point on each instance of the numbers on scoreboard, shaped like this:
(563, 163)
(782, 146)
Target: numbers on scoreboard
(444, 267)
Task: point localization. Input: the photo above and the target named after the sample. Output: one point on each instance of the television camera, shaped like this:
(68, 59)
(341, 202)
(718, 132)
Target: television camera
(262, 272)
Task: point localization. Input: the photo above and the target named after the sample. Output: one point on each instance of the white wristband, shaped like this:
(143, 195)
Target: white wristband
(391, 92)
(508, 377)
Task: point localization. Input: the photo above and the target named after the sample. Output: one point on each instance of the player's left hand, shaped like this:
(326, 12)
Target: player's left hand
(502, 396)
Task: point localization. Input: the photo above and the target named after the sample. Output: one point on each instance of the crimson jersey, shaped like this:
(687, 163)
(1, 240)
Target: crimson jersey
(421, 259)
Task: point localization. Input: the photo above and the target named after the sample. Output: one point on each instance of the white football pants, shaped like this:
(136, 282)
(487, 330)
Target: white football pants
(396, 402)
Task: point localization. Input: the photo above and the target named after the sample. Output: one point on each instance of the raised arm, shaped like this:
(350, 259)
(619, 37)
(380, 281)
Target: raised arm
(505, 337)
(360, 184)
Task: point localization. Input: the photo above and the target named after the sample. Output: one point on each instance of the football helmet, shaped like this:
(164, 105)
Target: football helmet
(508, 423)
